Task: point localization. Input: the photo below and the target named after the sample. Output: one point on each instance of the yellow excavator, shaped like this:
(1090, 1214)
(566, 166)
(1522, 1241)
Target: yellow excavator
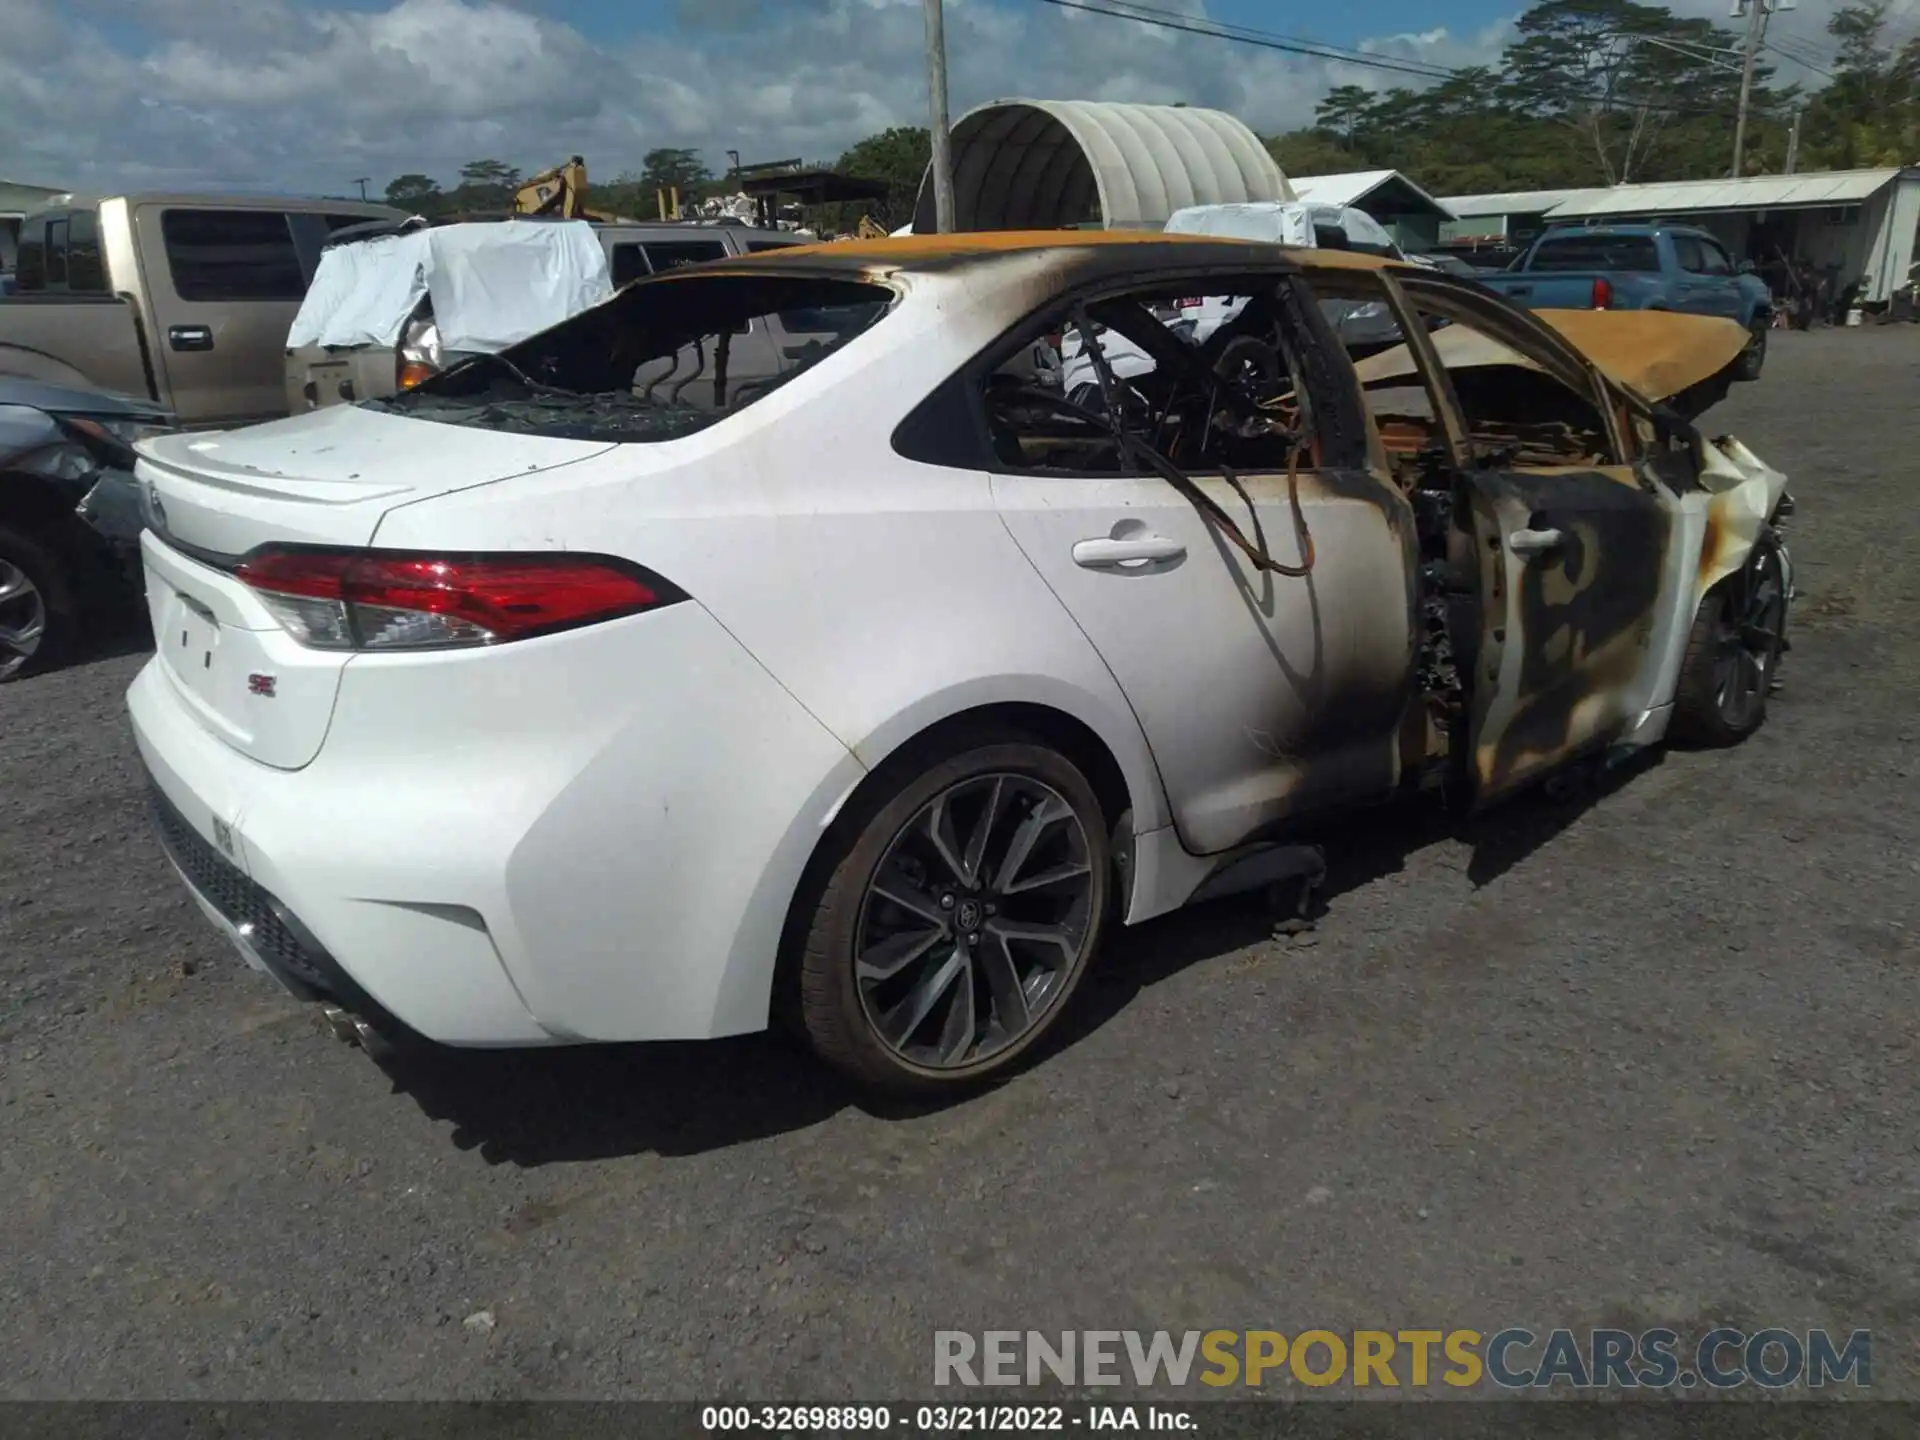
(560, 192)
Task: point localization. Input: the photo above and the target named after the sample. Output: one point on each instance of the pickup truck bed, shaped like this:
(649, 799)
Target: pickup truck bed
(36, 331)
(183, 300)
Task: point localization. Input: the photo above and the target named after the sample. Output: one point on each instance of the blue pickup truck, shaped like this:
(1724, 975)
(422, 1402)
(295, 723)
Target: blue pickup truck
(1642, 267)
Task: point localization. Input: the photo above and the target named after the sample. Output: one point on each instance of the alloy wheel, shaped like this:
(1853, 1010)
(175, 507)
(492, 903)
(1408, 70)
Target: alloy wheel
(974, 921)
(23, 619)
(1750, 637)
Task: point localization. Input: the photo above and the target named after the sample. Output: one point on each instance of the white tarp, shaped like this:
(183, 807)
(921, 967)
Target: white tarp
(1280, 223)
(492, 284)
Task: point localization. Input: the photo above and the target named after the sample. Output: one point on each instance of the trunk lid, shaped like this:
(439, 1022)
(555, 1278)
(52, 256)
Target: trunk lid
(325, 478)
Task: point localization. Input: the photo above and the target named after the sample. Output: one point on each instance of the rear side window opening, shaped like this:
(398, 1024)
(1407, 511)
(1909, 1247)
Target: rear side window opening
(221, 255)
(659, 361)
(61, 255)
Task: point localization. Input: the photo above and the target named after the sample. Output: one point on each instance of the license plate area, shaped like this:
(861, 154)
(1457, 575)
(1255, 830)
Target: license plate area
(242, 677)
(191, 638)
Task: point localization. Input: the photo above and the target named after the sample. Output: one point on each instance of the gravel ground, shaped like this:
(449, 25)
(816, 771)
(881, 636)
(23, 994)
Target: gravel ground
(1643, 1059)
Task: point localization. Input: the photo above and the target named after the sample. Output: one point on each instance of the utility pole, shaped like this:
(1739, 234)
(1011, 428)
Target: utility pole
(1757, 13)
(1793, 141)
(937, 115)
(362, 183)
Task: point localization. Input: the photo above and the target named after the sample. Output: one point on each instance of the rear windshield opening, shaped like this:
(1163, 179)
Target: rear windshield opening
(1597, 252)
(659, 361)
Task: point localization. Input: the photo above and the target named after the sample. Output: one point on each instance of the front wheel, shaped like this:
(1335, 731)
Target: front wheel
(1734, 651)
(958, 922)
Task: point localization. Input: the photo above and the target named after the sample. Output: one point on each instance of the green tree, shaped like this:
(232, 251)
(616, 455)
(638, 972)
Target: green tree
(489, 174)
(1619, 73)
(1870, 114)
(1345, 110)
(1312, 152)
(674, 169)
(415, 192)
(898, 156)
(485, 185)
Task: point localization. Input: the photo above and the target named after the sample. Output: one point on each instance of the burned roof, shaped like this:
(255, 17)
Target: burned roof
(1118, 249)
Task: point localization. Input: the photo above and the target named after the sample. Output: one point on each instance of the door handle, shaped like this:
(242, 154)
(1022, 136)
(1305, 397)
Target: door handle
(1528, 543)
(1105, 553)
(190, 337)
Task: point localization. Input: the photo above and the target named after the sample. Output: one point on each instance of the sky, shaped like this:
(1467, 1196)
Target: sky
(310, 95)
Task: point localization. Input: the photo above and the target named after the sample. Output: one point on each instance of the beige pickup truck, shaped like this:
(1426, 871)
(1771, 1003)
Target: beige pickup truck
(184, 300)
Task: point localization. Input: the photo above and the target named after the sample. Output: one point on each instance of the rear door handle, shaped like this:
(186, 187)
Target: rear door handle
(190, 337)
(1528, 543)
(1105, 553)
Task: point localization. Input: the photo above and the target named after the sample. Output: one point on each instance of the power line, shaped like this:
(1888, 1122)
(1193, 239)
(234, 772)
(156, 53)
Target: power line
(1240, 34)
(1142, 14)
(1797, 54)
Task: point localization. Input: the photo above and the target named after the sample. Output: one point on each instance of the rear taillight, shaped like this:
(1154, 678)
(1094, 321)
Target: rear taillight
(1602, 292)
(399, 600)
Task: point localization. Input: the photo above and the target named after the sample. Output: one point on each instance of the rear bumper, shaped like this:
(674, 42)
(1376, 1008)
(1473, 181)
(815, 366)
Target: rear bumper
(537, 844)
(425, 974)
(269, 937)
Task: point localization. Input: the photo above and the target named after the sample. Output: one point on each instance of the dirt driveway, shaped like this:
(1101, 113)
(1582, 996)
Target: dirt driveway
(1649, 1059)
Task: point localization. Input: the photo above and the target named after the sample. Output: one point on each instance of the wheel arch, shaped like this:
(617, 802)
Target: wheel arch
(1122, 789)
(1738, 515)
(35, 504)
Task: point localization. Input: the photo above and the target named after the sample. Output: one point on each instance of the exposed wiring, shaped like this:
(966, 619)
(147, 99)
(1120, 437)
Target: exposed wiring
(662, 378)
(494, 357)
(1167, 470)
(699, 364)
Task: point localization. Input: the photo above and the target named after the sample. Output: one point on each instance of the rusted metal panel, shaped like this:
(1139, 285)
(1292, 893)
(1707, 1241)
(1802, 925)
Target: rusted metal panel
(1655, 352)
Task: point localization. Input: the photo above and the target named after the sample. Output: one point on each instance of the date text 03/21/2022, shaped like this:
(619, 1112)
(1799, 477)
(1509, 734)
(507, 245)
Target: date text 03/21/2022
(963, 1419)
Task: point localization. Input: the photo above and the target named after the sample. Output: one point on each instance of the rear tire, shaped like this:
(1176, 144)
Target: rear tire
(1750, 361)
(957, 922)
(38, 619)
(1734, 652)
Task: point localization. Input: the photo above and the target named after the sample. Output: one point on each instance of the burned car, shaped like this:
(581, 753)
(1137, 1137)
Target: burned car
(590, 692)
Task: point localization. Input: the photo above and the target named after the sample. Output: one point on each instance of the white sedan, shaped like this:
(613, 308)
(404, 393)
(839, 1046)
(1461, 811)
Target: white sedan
(585, 693)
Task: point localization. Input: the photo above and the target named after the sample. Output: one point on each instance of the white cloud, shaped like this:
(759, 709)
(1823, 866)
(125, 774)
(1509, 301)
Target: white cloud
(108, 94)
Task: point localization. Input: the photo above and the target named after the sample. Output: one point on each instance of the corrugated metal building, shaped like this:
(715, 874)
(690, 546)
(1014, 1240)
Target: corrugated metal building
(1412, 216)
(1042, 164)
(1865, 222)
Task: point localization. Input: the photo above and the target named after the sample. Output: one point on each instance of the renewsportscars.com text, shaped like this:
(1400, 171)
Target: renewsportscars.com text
(1515, 1358)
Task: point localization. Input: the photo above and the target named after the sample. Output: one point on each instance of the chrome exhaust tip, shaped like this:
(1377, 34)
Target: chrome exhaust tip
(343, 1025)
